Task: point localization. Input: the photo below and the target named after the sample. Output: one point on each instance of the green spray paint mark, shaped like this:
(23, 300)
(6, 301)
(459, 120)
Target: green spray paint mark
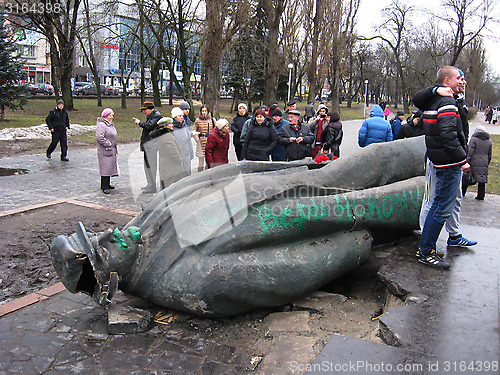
(119, 239)
(133, 232)
(289, 218)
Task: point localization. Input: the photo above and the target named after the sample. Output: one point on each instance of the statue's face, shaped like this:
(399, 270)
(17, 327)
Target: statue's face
(119, 240)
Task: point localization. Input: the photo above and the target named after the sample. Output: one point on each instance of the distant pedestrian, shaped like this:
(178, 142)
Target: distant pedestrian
(396, 123)
(261, 137)
(107, 150)
(237, 126)
(203, 126)
(488, 113)
(387, 112)
(374, 129)
(296, 137)
(494, 116)
(149, 148)
(309, 111)
(169, 152)
(216, 151)
(58, 123)
(183, 134)
(479, 158)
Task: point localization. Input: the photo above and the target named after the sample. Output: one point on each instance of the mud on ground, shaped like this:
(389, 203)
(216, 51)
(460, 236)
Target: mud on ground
(25, 265)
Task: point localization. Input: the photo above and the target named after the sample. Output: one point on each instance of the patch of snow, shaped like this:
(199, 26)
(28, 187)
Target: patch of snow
(39, 132)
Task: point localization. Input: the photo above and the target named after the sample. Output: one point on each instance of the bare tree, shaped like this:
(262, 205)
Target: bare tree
(394, 33)
(57, 21)
(223, 20)
(467, 19)
(340, 29)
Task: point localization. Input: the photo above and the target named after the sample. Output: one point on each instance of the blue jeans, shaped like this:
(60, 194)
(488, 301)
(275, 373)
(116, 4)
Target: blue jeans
(447, 187)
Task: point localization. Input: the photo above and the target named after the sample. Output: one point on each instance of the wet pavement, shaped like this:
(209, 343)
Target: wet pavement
(440, 322)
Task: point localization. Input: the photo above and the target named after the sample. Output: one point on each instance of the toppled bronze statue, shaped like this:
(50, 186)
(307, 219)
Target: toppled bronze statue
(250, 234)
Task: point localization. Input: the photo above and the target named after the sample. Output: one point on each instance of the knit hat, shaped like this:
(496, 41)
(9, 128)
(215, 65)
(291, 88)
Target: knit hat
(243, 105)
(147, 105)
(291, 102)
(400, 113)
(165, 121)
(461, 72)
(334, 116)
(276, 112)
(480, 128)
(176, 111)
(60, 101)
(184, 105)
(220, 123)
(106, 112)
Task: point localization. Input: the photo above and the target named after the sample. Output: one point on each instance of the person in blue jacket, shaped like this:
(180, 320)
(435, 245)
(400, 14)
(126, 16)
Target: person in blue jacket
(375, 129)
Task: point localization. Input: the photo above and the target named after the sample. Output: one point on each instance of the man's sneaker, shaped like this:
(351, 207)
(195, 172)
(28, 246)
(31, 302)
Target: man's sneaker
(461, 241)
(420, 255)
(434, 260)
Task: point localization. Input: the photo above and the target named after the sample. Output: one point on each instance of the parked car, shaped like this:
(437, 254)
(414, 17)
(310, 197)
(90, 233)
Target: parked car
(44, 88)
(78, 85)
(91, 89)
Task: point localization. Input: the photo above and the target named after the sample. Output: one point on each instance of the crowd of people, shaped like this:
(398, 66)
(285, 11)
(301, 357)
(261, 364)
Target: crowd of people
(266, 135)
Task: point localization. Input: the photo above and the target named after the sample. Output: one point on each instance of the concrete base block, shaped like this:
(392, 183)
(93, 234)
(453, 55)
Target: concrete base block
(125, 319)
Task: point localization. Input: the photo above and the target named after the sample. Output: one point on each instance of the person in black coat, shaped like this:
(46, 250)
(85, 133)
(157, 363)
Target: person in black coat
(260, 138)
(413, 126)
(236, 126)
(58, 123)
(332, 135)
(147, 145)
(296, 137)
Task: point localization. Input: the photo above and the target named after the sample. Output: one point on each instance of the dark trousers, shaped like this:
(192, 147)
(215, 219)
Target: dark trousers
(481, 190)
(237, 149)
(59, 137)
(105, 182)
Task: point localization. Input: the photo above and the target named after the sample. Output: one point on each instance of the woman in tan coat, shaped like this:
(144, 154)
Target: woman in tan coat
(204, 125)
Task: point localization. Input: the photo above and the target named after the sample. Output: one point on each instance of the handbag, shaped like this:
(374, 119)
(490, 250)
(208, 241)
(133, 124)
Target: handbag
(468, 179)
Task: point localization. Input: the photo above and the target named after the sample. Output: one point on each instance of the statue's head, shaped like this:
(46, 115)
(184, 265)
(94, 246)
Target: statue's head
(93, 263)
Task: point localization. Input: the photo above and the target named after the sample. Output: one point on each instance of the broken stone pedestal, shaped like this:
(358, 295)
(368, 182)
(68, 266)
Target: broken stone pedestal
(125, 319)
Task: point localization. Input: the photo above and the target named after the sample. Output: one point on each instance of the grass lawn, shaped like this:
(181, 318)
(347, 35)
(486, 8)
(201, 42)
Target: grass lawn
(86, 113)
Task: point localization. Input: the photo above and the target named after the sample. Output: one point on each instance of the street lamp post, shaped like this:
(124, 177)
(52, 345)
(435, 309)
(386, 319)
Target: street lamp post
(366, 98)
(290, 67)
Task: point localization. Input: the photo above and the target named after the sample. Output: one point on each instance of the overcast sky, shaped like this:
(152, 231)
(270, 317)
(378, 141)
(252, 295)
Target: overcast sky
(370, 15)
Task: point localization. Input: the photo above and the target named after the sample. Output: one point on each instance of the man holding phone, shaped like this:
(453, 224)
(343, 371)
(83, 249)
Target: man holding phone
(317, 124)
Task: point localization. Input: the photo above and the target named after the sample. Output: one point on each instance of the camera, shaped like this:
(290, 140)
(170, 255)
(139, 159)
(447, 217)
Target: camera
(323, 116)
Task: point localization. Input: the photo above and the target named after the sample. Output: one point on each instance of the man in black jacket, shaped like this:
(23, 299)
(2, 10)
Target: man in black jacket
(148, 146)
(446, 151)
(296, 138)
(58, 123)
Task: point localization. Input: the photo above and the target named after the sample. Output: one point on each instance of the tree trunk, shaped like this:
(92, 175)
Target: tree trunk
(274, 65)
(211, 88)
(155, 78)
(2, 113)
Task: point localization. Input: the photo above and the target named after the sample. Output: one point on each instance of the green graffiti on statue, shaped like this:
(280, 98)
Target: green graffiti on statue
(290, 218)
(341, 209)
